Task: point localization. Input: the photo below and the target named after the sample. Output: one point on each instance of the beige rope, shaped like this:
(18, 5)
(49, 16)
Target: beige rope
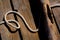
(14, 12)
(55, 5)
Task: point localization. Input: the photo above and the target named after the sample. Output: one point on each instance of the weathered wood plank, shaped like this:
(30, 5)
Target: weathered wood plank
(24, 8)
(56, 12)
(5, 33)
(23, 33)
(53, 33)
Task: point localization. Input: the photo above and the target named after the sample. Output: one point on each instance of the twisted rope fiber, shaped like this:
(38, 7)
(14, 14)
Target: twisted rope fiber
(14, 12)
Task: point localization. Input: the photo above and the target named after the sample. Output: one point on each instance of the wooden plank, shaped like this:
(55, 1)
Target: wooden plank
(56, 12)
(4, 30)
(23, 7)
(53, 33)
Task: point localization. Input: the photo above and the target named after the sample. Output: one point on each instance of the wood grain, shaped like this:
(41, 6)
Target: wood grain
(53, 34)
(23, 34)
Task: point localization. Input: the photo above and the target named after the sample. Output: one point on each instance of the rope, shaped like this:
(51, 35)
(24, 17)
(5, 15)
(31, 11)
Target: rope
(19, 14)
(54, 5)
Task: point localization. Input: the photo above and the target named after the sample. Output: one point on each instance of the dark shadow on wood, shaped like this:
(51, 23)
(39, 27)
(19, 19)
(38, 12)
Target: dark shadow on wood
(0, 37)
(56, 23)
(12, 6)
(50, 14)
(40, 18)
(21, 38)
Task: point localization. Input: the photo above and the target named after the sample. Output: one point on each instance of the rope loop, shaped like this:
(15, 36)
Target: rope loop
(19, 14)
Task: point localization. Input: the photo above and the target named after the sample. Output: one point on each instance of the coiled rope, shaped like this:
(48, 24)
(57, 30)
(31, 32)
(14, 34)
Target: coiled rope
(19, 14)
